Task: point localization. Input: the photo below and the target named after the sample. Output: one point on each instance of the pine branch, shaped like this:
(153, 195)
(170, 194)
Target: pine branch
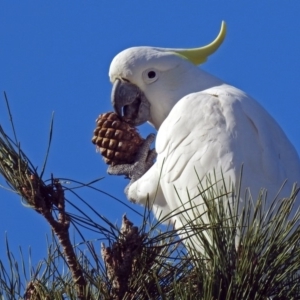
(23, 179)
(251, 255)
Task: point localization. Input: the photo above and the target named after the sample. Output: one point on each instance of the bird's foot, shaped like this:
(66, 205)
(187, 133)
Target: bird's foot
(143, 162)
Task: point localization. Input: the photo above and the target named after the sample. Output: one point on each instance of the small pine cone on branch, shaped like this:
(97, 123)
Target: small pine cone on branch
(116, 139)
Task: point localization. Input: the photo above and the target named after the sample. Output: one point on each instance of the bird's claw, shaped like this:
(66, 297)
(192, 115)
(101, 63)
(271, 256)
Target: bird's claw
(143, 162)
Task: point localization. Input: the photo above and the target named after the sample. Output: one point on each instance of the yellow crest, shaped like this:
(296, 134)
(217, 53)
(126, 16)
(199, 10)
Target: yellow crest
(199, 55)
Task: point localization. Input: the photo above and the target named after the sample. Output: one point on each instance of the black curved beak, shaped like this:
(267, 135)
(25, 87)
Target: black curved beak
(129, 102)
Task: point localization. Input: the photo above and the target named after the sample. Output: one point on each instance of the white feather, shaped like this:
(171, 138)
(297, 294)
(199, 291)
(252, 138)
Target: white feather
(208, 126)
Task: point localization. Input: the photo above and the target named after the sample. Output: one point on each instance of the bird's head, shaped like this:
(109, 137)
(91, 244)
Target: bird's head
(147, 81)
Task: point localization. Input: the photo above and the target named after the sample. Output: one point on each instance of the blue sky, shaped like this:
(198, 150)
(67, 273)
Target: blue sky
(55, 55)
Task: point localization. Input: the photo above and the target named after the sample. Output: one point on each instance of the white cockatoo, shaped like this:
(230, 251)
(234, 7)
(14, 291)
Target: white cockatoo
(205, 126)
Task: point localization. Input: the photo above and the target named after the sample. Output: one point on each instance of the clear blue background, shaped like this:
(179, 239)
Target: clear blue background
(55, 55)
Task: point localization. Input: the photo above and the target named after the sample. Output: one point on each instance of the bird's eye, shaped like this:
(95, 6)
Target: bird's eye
(150, 75)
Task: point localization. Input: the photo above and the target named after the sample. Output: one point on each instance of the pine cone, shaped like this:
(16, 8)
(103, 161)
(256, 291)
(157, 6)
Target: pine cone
(116, 139)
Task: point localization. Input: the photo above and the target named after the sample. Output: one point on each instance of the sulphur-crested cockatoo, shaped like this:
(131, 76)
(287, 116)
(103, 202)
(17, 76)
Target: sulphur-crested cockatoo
(206, 127)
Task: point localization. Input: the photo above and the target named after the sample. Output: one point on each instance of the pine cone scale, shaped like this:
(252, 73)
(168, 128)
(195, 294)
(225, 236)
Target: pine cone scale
(117, 141)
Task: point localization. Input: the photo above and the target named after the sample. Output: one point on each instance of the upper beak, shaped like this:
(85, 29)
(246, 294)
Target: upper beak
(130, 102)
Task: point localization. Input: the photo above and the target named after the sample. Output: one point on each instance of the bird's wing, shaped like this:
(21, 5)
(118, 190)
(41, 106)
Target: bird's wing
(216, 132)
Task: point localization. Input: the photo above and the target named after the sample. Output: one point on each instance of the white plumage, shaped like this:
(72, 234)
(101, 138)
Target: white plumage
(205, 125)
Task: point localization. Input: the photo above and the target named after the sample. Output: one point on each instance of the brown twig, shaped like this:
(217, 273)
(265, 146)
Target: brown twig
(20, 174)
(60, 228)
